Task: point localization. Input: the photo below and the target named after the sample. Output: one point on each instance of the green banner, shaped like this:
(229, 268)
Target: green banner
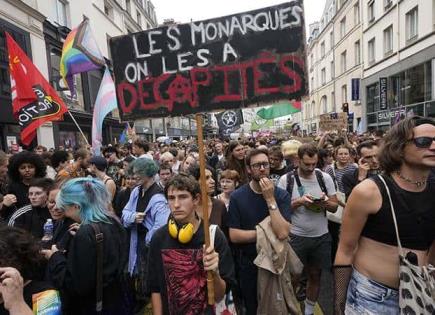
(279, 110)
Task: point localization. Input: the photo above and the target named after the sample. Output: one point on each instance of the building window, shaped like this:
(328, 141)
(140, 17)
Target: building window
(356, 17)
(357, 47)
(60, 12)
(108, 10)
(371, 11)
(323, 76)
(412, 24)
(343, 62)
(324, 104)
(412, 84)
(343, 27)
(344, 94)
(312, 60)
(312, 84)
(332, 70)
(331, 39)
(322, 49)
(388, 40)
(139, 19)
(371, 50)
(373, 98)
(387, 4)
(128, 6)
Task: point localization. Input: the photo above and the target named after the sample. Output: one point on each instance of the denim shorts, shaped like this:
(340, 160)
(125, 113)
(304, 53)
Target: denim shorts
(368, 297)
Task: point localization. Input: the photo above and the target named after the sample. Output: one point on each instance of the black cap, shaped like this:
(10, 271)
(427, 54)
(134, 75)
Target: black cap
(99, 162)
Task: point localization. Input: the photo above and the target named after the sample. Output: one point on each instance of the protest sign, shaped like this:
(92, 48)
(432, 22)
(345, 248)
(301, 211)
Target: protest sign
(256, 57)
(334, 121)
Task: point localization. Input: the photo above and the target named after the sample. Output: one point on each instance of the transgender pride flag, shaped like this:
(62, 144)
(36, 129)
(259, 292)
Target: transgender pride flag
(104, 104)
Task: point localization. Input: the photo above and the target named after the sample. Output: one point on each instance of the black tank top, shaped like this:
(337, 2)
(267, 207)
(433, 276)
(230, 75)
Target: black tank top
(415, 214)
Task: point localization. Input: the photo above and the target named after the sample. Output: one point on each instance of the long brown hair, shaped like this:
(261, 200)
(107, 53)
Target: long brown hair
(234, 164)
(395, 140)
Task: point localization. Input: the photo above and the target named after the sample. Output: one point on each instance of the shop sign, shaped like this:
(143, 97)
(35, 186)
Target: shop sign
(387, 116)
(383, 88)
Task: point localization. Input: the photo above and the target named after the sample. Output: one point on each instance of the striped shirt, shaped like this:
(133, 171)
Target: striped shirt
(337, 173)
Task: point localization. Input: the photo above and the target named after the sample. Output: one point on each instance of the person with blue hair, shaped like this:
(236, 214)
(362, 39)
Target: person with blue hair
(146, 211)
(84, 200)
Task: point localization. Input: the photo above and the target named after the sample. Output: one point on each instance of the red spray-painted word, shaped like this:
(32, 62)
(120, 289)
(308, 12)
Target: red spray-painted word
(147, 94)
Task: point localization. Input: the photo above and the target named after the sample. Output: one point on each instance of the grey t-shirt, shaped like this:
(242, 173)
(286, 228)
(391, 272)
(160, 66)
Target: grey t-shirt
(306, 222)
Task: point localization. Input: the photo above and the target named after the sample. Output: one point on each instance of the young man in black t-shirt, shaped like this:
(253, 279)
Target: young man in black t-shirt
(177, 269)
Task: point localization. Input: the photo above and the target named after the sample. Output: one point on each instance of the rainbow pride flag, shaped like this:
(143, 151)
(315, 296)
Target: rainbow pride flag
(80, 53)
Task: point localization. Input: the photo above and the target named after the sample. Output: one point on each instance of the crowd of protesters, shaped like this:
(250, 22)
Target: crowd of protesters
(128, 225)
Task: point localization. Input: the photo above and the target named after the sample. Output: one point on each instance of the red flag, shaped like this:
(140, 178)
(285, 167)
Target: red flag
(34, 101)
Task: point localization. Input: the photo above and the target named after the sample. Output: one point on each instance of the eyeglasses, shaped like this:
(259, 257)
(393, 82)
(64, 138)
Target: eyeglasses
(258, 166)
(423, 142)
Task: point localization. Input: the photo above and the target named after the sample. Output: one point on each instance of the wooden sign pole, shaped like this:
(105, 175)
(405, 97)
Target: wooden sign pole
(204, 199)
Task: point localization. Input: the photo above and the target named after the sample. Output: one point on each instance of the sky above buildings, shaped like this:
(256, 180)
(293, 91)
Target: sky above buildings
(187, 10)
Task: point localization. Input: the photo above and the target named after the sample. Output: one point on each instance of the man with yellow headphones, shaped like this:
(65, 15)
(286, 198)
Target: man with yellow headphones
(178, 259)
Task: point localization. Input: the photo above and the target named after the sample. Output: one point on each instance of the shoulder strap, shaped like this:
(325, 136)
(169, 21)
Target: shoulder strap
(99, 288)
(289, 186)
(301, 189)
(293, 174)
(393, 213)
(321, 181)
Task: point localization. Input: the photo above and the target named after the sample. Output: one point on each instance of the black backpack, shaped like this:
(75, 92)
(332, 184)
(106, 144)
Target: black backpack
(294, 174)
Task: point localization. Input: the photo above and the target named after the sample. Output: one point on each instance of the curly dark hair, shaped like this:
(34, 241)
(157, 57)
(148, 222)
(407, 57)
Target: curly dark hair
(25, 157)
(20, 250)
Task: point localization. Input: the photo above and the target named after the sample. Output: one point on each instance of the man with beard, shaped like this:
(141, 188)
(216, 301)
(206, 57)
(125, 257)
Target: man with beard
(249, 205)
(313, 193)
(76, 169)
(368, 166)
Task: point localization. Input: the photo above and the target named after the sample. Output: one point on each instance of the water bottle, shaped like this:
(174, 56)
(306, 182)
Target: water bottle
(48, 234)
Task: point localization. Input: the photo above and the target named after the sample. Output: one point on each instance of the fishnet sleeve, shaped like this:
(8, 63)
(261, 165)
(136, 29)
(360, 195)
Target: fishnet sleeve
(342, 276)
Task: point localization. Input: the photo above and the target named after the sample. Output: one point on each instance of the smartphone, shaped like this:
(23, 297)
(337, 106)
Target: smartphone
(318, 199)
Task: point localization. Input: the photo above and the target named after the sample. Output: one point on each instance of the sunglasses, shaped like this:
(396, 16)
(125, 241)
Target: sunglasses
(423, 142)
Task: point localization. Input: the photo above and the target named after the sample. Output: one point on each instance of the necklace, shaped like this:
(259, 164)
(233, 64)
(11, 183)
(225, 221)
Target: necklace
(415, 182)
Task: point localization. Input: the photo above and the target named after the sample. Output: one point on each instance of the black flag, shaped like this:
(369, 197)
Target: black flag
(229, 121)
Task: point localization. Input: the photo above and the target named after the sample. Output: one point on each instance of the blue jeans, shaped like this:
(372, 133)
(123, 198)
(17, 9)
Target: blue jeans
(368, 297)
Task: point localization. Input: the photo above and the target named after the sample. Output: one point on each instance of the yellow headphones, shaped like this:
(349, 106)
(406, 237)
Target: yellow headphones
(183, 234)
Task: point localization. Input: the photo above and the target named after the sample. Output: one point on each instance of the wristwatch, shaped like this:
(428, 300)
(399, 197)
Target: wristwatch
(273, 207)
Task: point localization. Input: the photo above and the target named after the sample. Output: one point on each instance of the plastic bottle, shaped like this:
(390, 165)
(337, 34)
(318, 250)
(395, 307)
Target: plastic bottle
(48, 234)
